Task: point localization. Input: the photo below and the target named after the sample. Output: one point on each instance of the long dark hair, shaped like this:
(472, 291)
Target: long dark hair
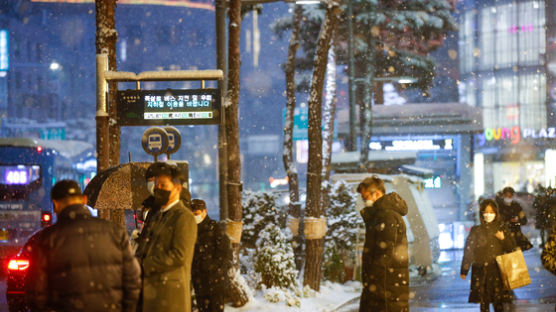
(484, 204)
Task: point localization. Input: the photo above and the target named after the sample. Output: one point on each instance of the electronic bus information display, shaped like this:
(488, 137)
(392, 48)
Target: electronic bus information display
(168, 107)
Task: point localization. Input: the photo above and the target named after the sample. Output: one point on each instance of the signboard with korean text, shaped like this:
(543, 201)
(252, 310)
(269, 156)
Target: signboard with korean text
(168, 107)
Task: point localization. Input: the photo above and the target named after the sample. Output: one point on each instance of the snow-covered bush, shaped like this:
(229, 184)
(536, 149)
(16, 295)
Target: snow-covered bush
(277, 294)
(343, 222)
(259, 209)
(274, 259)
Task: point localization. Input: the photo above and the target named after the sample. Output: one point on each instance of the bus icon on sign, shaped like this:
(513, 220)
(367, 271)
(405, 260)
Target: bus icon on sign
(171, 141)
(155, 142)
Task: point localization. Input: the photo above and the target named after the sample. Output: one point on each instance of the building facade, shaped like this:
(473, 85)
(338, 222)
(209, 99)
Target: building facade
(502, 50)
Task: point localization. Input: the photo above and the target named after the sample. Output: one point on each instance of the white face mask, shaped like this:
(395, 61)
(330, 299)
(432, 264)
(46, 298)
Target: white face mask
(199, 218)
(489, 217)
(150, 187)
(369, 203)
(507, 200)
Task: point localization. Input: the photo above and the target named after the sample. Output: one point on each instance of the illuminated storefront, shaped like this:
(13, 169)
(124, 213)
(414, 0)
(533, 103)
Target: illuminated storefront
(503, 57)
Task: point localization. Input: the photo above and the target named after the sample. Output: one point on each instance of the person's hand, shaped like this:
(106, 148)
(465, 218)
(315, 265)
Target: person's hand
(462, 276)
(514, 219)
(499, 235)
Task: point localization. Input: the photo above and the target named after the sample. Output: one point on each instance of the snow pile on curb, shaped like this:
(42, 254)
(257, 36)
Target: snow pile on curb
(330, 298)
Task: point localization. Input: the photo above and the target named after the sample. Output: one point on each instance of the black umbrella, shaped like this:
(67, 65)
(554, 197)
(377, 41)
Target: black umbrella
(119, 187)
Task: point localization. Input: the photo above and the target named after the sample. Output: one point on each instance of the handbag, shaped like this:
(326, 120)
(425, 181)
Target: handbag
(513, 269)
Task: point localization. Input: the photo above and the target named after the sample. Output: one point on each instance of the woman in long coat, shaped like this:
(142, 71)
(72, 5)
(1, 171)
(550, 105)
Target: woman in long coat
(486, 241)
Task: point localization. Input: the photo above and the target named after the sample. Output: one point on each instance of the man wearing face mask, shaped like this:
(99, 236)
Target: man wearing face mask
(149, 206)
(512, 213)
(385, 268)
(167, 250)
(211, 262)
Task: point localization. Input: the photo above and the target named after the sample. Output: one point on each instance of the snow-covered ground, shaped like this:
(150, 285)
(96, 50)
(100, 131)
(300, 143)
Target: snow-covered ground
(330, 298)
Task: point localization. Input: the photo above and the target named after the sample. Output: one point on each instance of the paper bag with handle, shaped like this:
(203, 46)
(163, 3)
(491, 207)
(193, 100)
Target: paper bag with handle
(513, 269)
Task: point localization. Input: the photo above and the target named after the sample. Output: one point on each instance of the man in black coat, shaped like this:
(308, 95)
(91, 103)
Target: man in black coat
(211, 261)
(514, 217)
(385, 268)
(81, 263)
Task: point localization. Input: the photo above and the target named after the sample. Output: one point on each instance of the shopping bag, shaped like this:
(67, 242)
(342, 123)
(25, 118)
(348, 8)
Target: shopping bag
(513, 269)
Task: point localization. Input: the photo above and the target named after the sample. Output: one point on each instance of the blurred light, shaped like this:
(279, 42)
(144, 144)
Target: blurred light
(39, 149)
(405, 145)
(445, 240)
(287, 199)
(479, 174)
(433, 183)
(4, 51)
(302, 151)
(207, 160)
(54, 66)
(407, 80)
(277, 182)
(375, 146)
(46, 217)
(18, 265)
(550, 167)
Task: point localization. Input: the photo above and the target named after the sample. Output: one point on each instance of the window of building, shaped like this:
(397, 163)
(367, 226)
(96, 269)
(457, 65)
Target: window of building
(39, 52)
(17, 80)
(487, 22)
(488, 99)
(467, 42)
(532, 100)
(531, 31)
(506, 39)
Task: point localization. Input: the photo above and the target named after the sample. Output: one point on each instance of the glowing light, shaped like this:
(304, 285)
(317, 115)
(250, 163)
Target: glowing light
(550, 167)
(479, 174)
(276, 182)
(54, 66)
(18, 264)
(16, 177)
(46, 217)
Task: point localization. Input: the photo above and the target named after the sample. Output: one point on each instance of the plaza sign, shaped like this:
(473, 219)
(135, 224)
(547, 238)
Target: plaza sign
(513, 135)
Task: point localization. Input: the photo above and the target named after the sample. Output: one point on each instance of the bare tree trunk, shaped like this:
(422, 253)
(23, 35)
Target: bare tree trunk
(287, 155)
(314, 243)
(367, 109)
(329, 117)
(108, 132)
(234, 187)
(232, 111)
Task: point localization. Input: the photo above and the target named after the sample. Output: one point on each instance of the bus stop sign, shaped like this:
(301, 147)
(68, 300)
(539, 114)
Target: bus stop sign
(168, 107)
(155, 141)
(174, 140)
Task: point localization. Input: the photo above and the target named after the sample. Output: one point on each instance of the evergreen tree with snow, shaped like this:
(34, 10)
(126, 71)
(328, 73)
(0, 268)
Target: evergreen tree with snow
(274, 259)
(259, 209)
(343, 223)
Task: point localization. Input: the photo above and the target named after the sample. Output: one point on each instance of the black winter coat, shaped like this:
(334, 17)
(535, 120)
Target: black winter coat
(82, 263)
(385, 269)
(508, 212)
(212, 259)
(480, 251)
